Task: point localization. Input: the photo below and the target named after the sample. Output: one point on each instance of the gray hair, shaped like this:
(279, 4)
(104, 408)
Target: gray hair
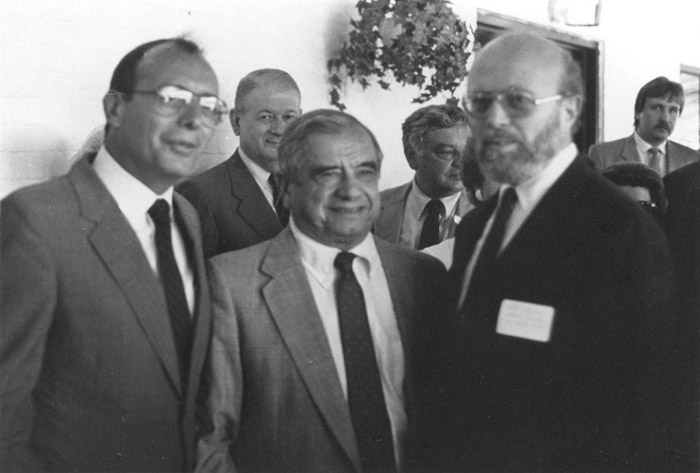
(259, 78)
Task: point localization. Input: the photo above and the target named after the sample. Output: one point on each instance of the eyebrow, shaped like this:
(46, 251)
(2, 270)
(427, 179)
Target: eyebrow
(321, 168)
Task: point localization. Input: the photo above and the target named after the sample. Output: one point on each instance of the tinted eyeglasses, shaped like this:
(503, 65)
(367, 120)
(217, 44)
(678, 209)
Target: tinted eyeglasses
(172, 100)
(516, 103)
(650, 207)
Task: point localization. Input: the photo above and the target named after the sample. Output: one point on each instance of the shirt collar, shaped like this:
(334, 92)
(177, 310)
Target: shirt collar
(531, 191)
(644, 147)
(318, 258)
(260, 174)
(133, 197)
(417, 200)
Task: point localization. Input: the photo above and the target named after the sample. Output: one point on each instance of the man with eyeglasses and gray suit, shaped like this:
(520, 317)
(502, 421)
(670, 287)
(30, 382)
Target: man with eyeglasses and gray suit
(559, 292)
(105, 310)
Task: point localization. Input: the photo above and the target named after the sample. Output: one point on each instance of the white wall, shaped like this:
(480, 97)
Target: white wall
(57, 58)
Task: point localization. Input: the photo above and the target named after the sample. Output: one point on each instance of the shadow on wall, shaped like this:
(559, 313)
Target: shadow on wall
(32, 154)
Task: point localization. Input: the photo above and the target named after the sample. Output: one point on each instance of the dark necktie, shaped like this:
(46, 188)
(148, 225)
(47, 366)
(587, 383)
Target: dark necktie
(492, 244)
(655, 157)
(280, 209)
(172, 284)
(430, 234)
(368, 412)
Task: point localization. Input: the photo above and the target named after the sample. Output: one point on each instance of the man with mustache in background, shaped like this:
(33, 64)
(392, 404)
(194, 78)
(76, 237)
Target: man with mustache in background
(659, 104)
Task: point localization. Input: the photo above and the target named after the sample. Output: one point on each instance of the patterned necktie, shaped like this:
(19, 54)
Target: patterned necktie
(368, 411)
(172, 284)
(655, 156)
(430, 234)
(492, 244)
(280, 209)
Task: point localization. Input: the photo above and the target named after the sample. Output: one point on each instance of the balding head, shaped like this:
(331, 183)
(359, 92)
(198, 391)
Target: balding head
(539, 91)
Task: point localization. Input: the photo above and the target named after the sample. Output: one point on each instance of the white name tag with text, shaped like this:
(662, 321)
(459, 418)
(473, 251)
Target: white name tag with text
(525, 320)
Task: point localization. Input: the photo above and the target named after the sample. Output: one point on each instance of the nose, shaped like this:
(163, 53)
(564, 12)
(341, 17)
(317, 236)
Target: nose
(348, 186)
(278, 126)
(192, 117)
(496, 115)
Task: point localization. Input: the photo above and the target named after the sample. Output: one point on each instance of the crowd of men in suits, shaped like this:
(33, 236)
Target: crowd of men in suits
(273, 314)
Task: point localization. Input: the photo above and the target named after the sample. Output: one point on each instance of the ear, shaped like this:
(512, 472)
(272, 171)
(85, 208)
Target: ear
(235, 119)
(113, 105)
(571, 109)
(411, 159)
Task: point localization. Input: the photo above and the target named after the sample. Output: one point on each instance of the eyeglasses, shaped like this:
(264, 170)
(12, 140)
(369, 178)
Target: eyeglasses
(650, 207)
(172, 100)
(516, 103)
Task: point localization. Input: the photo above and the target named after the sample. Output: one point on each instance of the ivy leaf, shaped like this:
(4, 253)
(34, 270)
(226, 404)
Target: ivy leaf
(430, 52)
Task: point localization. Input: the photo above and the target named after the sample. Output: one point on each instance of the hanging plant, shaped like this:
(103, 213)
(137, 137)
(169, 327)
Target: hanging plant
(415, 42)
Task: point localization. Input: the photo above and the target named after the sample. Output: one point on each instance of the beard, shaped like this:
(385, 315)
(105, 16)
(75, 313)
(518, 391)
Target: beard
(516, 161)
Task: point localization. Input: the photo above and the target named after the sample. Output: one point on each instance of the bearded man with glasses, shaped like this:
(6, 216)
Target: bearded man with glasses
(105, 310)
(561, 293)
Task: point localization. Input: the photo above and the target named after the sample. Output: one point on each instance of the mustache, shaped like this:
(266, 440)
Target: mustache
(663, 125)
(498, 135)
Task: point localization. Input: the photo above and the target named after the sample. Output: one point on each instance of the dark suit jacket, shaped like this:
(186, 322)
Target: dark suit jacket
(625, 149)
(232, 208)
(683, 226)
(90, 378)
(683, 229)
(388, 224)
(591, 398)
(276, 397)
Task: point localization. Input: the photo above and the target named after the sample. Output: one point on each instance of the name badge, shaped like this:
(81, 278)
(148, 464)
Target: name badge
(525, 320)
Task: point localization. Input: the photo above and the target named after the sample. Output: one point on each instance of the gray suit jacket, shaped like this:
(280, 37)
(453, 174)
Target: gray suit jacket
(388, 224)
(625, 149)
(90, 379)
(276, 399)
(232, 208)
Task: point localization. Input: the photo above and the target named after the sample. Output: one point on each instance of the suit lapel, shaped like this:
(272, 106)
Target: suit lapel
(249, 201)
(468, 233)
(391, 219)
(556, 202)
(402, 296)
(291, 303)
(629, 150)
(201, 323)
(115, 242)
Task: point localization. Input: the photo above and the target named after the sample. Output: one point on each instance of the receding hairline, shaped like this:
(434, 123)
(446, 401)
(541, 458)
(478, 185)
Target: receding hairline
(264, 78)
(522, 47)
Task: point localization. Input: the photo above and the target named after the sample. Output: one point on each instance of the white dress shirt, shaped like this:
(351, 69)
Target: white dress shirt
(414, 215)
(442, 251)
(134, 199)
(529, 193)
(643, 149)
(261, 177)
(318, 262)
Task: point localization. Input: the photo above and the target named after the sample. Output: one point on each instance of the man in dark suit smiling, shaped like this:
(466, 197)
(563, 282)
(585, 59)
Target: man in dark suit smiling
(238, 201)
(560, 286)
